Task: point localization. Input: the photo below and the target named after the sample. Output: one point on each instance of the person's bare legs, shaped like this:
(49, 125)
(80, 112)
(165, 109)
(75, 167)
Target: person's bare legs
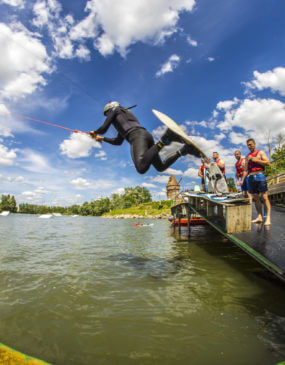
(250, 197)
(258, 206)
(266, 202)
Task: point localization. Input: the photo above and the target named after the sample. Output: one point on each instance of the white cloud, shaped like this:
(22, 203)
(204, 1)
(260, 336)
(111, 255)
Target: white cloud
(211, 59)
(101, 154)
(169, 65)
(220, 136)
(148, 185)
(7, 157)
(173, 171)
(118, 191)
(237, 138)
(144, 21)
(256, 117)
(23, 62)
(158, 132)
(191, 172)
(226, 104)
(159, 21)
(192, 42)
(163, 179)
(15, 3)
(34, 162)
(78, 145)
(80, 183)
(273, 79)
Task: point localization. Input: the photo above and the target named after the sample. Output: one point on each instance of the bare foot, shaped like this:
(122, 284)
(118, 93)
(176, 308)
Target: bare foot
(267, 222)
(257, 220)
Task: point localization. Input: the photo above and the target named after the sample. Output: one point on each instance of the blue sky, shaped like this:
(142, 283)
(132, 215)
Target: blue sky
(216, 67)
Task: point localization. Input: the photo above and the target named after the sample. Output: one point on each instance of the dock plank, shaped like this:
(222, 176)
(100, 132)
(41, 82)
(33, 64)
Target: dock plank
(268, 241)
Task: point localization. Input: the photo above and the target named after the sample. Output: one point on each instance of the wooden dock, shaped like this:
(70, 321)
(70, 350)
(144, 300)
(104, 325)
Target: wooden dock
(233, 220)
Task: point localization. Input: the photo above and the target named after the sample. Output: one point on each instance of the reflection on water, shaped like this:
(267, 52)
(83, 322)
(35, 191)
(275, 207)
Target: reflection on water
(88, 290)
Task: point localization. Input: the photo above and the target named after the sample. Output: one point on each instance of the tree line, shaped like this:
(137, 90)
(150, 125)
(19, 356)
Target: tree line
(130, 197)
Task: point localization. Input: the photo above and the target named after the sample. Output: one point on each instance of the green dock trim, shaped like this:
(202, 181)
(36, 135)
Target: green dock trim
(11, 356)
(261, 259)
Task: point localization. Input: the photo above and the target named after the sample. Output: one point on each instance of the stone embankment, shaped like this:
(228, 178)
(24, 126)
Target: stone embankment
(135, 216)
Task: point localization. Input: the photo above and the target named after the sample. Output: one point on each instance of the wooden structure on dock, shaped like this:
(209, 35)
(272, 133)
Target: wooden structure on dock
(276, 188)
(233, 215)
(233, 220)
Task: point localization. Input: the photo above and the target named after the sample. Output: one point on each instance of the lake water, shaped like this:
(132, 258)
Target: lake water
(88, 290)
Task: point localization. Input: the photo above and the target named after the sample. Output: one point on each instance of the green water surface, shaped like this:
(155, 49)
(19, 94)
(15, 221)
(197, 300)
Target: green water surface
(88, 290)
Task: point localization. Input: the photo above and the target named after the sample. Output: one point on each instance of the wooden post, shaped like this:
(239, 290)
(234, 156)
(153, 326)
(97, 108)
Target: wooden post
(209, 208)
(188, 220)
(238, 218)
(179, 223)
(220, 210)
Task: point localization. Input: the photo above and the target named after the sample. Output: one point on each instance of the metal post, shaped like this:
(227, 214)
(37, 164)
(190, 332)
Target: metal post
(179, 223)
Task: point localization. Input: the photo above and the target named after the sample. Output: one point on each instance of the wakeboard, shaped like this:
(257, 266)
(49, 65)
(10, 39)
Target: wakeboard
(216, 180)
(174, 127)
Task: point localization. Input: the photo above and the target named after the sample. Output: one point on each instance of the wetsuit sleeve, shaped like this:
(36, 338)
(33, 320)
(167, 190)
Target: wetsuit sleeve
(105, 126)
(115, 141)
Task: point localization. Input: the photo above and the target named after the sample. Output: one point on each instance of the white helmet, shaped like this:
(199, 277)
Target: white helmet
(111, 105)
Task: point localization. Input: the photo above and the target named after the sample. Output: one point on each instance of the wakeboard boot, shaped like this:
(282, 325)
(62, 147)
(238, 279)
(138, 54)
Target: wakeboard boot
(170, 136)
(189, 149)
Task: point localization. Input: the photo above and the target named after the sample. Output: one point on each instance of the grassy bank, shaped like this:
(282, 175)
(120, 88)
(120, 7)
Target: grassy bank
(152, 208)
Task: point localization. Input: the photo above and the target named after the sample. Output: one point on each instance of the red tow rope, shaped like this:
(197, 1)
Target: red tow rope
(40, 121)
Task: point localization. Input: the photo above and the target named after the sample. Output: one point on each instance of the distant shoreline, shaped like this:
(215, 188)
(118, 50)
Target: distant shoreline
(135, 216)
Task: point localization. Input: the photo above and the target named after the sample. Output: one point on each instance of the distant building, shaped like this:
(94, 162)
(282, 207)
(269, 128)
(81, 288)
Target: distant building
(172, 188)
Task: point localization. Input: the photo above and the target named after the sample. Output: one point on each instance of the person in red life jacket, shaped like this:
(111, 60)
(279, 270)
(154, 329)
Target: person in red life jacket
(255, 163)
(201, 173)
(144, 151)
(239, 175)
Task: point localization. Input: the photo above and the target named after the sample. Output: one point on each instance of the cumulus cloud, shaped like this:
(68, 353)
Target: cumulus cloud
(78, 145)
(169, 65)
(7, 157)
(24, 62)
(159, 21)
(256, 117)
(80, 183)
(211, 59)
(272, 79)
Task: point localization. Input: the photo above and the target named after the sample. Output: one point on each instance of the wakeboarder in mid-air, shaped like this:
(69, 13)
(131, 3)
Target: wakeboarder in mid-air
(144, 150)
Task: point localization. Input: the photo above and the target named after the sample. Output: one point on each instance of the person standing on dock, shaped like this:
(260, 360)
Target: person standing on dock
(239, 166)
(201, 173)
(255, 163)
(144, 151)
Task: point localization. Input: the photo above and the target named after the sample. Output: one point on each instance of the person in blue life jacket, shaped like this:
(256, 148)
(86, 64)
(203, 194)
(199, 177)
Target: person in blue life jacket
(144, 150)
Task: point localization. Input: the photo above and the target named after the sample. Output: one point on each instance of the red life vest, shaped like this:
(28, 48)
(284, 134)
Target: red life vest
(223, 169)
(254, 166)
(239, 167)
(202, 169)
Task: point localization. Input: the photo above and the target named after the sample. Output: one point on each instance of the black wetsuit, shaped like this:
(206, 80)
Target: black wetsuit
(144, 151)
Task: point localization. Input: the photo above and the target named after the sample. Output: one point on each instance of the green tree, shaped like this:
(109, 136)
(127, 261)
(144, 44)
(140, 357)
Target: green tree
(231, 185)
(8, 202)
